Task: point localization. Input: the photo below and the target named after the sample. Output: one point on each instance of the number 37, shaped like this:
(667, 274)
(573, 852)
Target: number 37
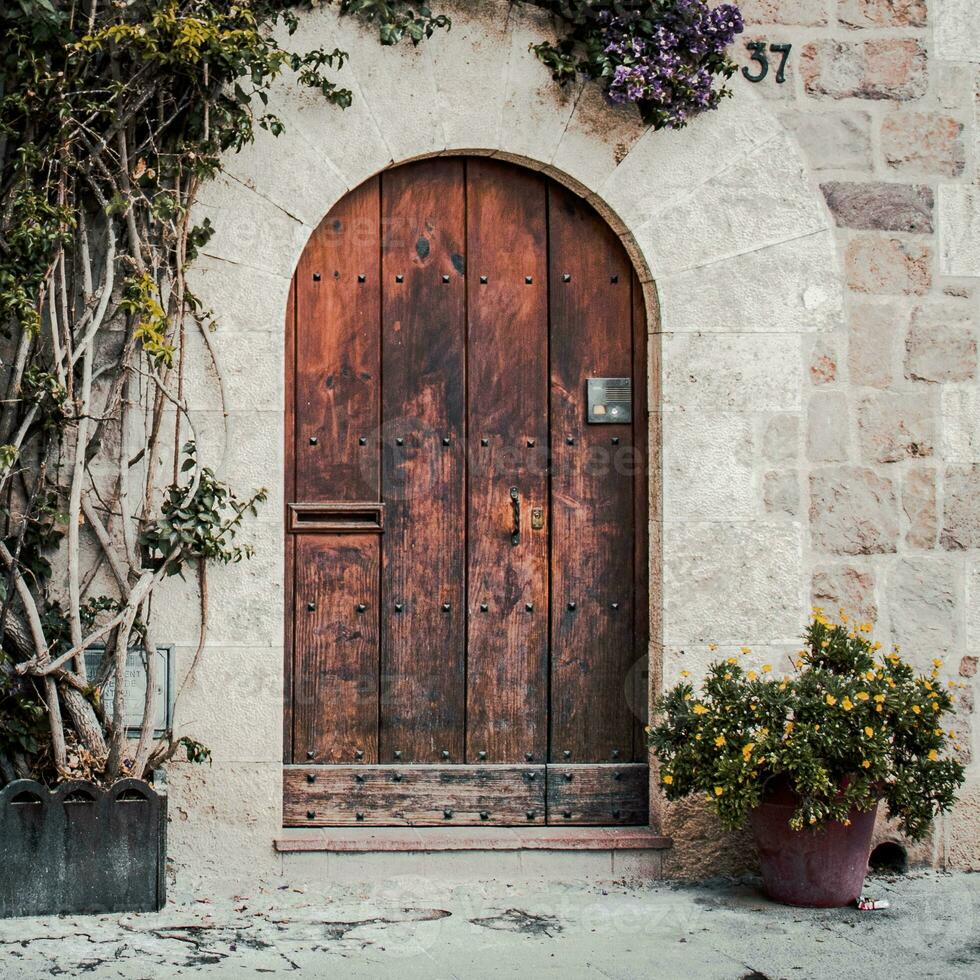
(758, 49)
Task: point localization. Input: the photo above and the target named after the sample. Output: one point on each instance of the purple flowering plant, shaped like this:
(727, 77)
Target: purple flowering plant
(665, 56)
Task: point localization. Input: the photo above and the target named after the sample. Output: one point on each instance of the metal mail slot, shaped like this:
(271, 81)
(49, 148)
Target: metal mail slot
(610, 400)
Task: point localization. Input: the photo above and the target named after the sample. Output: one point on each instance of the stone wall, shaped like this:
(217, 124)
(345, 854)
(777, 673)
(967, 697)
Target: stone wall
(881, 96)
(809, 254)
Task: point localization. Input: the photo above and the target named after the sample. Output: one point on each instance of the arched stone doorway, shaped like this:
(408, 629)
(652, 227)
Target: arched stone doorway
(466, 484)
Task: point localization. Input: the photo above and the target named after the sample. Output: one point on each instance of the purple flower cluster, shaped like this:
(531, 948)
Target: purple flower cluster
(670, 70)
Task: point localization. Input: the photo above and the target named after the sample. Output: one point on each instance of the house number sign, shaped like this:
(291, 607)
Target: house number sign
(758, 49)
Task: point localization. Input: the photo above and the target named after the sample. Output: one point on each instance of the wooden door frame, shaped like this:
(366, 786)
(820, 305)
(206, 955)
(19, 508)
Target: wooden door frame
(647, 493)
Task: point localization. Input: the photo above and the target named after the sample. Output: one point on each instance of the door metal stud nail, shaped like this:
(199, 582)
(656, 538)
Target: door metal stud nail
(566, 277)
(568, 777)
(310, 754)
(396, 777)
(445, 278)
(399, 441)
(311, 607)
(316, 277)
(446, 440)
(531, 443)
(529, 756)
(618, 776)
(615, 753)
(445, 754)
(311, 777)
(313, 440)
(572, 606)
(531, 814)
(481, 755)
(483, 280)
(362, 441)
(531, 776)
(484, 442)
(570, 440)
(361, 607)
(567, 814)
(398, 753)
(399, 278)
(446, 607)
(529, 606)
(359, 753)
(447, 814)
(528, 280)
(567, 754)
(484, 815)
(484, 606)
(614, 279)
(615, 440)
(358, 816)
(311, 814)
(398, 607)
(358, 778)
(613, 605)
(362, 278)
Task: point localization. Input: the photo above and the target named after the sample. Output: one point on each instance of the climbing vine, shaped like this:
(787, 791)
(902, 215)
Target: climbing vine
(112, 114)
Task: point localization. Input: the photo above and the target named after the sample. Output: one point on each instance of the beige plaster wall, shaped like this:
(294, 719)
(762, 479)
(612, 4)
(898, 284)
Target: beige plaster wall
(772, 446)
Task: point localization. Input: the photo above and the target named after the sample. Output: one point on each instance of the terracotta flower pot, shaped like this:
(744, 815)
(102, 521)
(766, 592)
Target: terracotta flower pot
(816, 868)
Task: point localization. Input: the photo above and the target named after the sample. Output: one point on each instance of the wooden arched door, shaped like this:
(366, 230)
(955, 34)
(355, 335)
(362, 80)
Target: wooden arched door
(466, 517)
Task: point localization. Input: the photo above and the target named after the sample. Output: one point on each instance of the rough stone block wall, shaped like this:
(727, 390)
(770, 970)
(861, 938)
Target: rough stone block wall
(882, 97)
(811, 254)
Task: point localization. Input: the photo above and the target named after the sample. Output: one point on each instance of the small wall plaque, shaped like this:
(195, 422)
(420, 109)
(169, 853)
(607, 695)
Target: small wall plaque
(136, 687)
(610, 400)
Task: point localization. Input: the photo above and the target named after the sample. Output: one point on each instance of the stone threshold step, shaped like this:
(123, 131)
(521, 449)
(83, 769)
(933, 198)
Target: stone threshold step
(368, 839)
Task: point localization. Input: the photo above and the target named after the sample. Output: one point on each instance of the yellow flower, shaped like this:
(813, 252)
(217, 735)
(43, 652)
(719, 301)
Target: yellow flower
(767, 668)
(866, 764)
(712, 647)
(751, 675)
(790, 725)
(879, 698)
(862, 695)
(700, 709)
(876, 645)
(935, 705)
(843, 615)
(746, 649)
(782, 687)
(687, 697)
(847, 704)
(869, 731)
(720, 741)
(732, 660)
(813, 819)
(878, 708)
(831, 700)
(685, 673)
(916, 710)
(719, 791)
(937, 732)
(937, 663)
(728, 676)
(933, 755)
(667, 778)
(747, 750)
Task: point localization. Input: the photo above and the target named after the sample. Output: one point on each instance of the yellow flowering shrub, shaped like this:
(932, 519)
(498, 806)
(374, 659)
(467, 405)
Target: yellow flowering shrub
(853, 725)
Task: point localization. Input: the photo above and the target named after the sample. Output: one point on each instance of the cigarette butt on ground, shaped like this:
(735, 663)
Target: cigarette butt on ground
(866, 904)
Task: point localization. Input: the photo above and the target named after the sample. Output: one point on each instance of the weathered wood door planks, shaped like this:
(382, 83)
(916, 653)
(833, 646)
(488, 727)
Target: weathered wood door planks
(507, 694)
(423, 329)
(466, 554)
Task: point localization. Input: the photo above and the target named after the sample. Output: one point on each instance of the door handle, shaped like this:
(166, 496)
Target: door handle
(515, 503)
